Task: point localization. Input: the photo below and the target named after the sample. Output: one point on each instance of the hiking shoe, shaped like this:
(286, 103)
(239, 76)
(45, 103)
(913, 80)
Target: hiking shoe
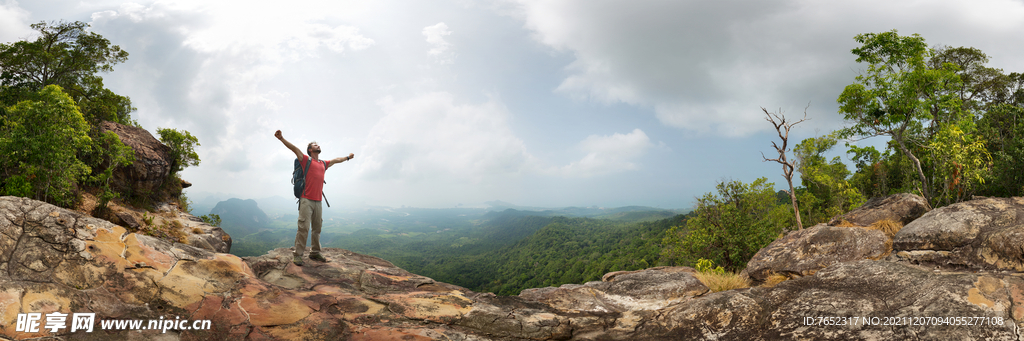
(318, 257)
(298, 260)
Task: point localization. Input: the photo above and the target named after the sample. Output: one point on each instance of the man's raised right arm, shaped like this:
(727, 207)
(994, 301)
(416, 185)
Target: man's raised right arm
(296, 150)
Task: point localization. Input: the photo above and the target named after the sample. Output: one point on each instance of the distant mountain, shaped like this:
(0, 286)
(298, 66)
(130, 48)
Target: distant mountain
(240, 217)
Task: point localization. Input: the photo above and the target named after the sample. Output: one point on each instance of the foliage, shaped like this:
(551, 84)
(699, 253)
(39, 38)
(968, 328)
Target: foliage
(112, 153)
(211, 219)
(39, 143)
(962, 163)
(1003, 128)
(730, 227)
(899, 94)
(708, 266)
(182, 145)
(826, 193)
(67, 55)
(184, 203)
(575, 250)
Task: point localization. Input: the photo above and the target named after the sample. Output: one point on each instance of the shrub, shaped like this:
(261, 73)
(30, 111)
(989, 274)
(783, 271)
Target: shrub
(729, 228)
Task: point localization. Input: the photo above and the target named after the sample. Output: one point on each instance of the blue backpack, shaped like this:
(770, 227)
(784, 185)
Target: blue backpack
(299, 179)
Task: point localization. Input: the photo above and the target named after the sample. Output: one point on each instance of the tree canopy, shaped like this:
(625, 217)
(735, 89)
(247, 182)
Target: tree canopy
(65, 54)
(39, 143)
(52, 101)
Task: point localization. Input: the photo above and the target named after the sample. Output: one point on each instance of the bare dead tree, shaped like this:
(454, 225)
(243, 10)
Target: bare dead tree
(781, 126)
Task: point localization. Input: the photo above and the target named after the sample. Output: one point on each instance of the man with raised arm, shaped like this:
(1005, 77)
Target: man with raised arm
(310, 212)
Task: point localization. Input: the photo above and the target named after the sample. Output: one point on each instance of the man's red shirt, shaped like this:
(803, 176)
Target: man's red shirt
(314, 179)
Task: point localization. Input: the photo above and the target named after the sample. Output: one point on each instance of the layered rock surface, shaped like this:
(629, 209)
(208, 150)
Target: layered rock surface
(55, 260)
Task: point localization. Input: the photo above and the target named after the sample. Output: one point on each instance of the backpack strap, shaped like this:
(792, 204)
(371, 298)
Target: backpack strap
(325, 181)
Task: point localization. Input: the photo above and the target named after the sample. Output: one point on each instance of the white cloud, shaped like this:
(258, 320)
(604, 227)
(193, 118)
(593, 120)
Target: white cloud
(205, 68)
(609, 154)
(14, 23)
(431, 137)
(707, 66)
(439, 47)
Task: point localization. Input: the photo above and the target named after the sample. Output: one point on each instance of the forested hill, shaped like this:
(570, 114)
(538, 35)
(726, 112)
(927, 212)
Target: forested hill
(576, 250)
(516, 251)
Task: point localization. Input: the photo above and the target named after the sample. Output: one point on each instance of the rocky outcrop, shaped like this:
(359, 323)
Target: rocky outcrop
(860, 300)
(649, 289)
(55, 260)
(985, 233)
(804, 252)
(152, 163)
(903, 208)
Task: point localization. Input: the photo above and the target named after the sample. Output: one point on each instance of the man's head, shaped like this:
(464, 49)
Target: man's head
(312, 147)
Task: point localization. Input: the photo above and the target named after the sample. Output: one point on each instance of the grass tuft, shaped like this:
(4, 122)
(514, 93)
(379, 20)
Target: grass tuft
(773, 279)
(887, 226)
(722, 281)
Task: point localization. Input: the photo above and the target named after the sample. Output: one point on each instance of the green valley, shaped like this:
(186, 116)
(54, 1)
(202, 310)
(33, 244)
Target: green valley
(481, 249)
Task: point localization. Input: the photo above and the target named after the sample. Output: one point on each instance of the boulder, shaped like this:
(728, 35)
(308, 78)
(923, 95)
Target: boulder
(649, 289)
(804, 252)
(986, 233)
(152, 163)
(903, 207)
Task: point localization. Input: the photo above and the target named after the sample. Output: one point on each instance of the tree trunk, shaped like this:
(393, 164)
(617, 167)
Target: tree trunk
(796, 210)
(925, 189)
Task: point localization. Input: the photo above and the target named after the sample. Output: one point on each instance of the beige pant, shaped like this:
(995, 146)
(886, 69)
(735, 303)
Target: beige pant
(309, 212)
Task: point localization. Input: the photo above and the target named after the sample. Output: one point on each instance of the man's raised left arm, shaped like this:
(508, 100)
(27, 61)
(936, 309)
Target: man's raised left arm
(340, 159)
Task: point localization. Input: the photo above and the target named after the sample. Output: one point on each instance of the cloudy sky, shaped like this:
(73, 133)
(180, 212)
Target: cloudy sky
(534, 102)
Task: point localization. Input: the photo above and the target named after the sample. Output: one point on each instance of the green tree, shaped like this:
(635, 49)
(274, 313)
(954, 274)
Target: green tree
(827, 192)
(211, 219)
(899, 94)
(1003, 128)
(182, 145)
(112, 154)
(729, 228)
(65, 54)
(39, 143)
(979, 85)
